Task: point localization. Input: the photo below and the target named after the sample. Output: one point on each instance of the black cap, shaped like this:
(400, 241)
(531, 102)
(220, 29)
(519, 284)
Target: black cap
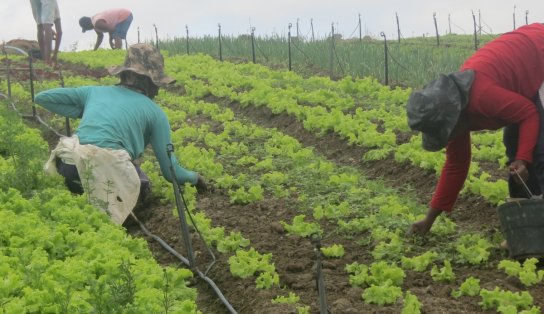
(86, 24)
(435, 109)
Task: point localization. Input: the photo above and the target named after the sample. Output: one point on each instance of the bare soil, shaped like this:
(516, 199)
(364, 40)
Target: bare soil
(295, 258)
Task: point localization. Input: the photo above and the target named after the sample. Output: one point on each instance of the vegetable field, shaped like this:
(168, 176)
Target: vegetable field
(311, 180)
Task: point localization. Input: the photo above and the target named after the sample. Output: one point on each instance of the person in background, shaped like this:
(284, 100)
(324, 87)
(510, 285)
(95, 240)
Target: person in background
(46, 14)
(496, 87)
(115, 22)
(117, 123)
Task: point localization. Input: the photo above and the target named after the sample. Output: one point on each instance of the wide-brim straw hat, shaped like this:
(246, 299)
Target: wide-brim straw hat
(144, 59)
(436, 108)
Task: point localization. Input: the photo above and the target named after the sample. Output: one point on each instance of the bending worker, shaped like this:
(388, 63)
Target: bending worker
(496, 87)
(117, 123)
(115, 22)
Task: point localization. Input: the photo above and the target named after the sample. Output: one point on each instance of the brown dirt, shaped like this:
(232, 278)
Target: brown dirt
(294, 257)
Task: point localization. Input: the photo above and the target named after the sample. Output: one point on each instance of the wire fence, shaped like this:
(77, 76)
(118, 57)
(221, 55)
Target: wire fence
(411, 63)
(402, 61)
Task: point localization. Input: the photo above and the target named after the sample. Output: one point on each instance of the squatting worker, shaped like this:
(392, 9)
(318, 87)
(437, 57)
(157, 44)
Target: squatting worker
(117, 123)
(496, 87)
(115, 22)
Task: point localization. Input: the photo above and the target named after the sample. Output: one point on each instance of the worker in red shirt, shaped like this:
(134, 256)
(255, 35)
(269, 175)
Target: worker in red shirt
(496, 87)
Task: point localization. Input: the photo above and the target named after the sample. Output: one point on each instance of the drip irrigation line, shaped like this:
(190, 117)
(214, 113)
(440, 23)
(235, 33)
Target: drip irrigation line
(12, 103)
(198, 232)
(39, 119)
(144, 229)
(320, 281)
(395, 60)
(181, 206)
(186, 262)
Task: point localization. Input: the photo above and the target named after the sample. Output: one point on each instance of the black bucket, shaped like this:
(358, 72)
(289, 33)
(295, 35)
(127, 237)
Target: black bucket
(522, 223)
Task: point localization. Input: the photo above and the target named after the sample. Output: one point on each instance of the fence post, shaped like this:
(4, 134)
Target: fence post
(220, 46)
(398, 26)
(156, 37)
(480, 22)
(31, 78)
(514, 16)
(187, 38)
(138, 34)
(289, 43)
(253, 43)
(67, 120)
(8, 71)
(332, 51)
(312, 26)
(386, 57)
(360, 30)
(475, 32)
(436, 30)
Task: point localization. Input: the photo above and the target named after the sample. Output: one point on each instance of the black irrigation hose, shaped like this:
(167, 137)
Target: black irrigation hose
(161, 242)
(199, 234)
(186, 262)
(38, 118)
(395, 60)
(144, 229)
(320, 282)
(180, 205)
(31, 73)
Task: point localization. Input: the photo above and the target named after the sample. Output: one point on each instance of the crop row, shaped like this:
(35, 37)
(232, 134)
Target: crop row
(251, 163)
(58, 254)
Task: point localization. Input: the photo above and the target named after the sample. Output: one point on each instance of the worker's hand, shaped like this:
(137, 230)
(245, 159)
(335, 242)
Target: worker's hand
(423, 226)
(518, 169)
(200, 185)
(420, 228)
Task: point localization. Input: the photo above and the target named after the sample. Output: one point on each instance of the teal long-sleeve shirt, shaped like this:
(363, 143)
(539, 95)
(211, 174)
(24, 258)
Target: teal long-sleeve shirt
(118, 118)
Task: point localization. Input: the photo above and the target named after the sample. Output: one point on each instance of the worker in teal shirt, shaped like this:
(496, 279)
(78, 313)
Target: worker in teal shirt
(121, 117)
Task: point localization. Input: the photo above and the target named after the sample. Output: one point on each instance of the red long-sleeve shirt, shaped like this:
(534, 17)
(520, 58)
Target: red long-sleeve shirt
(508, 73)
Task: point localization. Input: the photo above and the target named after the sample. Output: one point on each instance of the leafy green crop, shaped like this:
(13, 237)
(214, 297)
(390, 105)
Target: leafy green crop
(335, 250)
(382, 294)
(419, 263)
(470, 287)
(527, 274)
(444, 273)
(505, 301)
(302, 228)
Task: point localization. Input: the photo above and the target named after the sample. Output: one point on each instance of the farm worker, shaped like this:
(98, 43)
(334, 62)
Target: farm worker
(117, 123)
(496, 87)
(115, 22)
(46, 13)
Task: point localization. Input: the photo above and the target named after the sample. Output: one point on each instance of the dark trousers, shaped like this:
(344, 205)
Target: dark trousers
(536, 169)
(73, 182)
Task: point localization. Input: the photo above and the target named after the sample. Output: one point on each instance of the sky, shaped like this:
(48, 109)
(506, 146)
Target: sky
(201, 17)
